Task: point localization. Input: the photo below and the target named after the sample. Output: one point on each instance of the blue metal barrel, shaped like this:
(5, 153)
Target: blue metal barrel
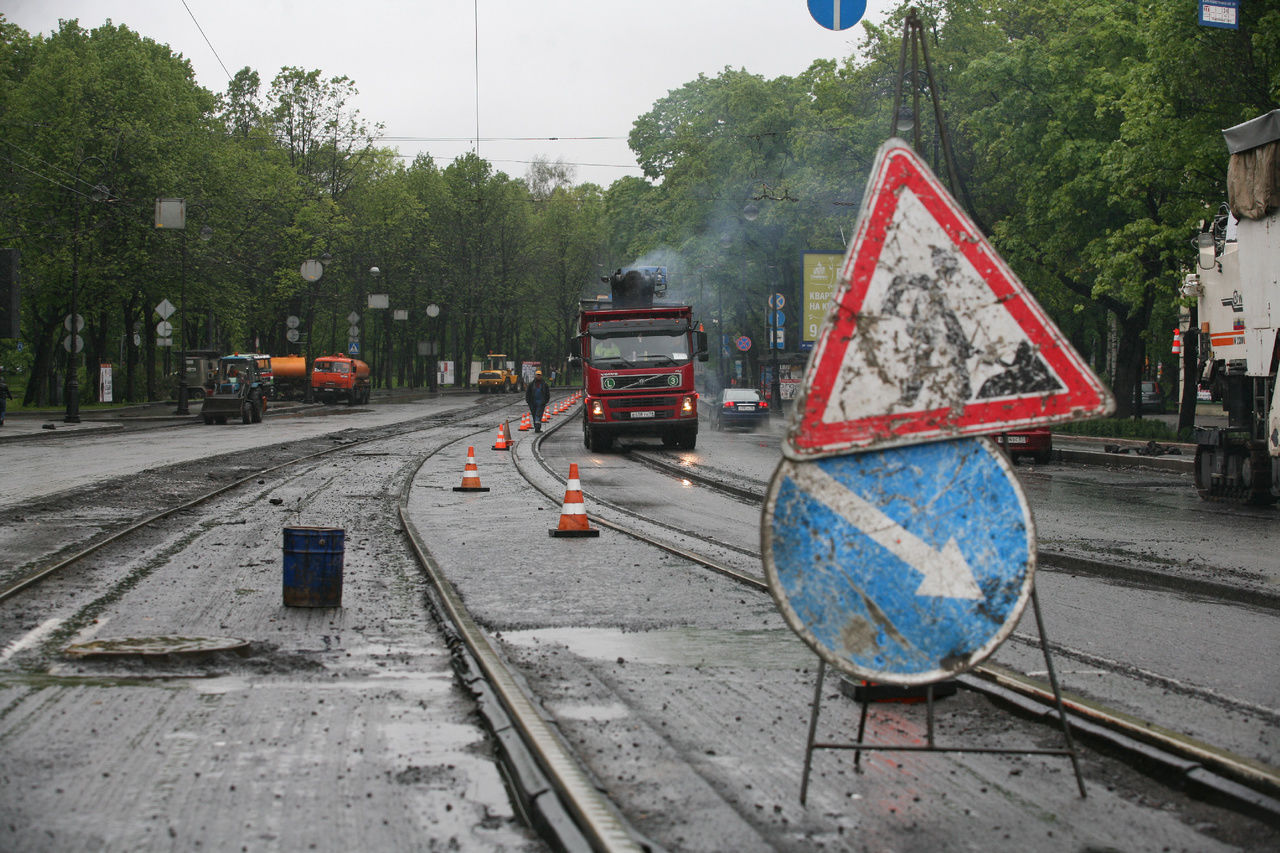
(313, 566)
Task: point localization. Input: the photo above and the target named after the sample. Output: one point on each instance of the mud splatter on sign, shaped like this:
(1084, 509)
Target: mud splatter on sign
(904, 565)
(931, 335)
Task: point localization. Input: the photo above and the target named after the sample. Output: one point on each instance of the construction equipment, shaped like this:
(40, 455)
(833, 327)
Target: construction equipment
(1237, 291)
(335, 377)
(498, 375)
(239, 390)
(637, 363)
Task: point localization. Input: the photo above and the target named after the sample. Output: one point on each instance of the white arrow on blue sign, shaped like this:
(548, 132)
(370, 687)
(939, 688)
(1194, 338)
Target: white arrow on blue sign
(901, 566)
(837, 14)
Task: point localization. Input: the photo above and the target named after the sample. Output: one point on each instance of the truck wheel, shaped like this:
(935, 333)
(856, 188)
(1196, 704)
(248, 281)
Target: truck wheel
(208, 420)
(351, 397)
(690, 439)
(259, 407)
(598, 443)
(246, 412)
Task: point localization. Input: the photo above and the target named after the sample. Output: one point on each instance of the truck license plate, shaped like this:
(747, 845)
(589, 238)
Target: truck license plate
(1016, 439)
(642, 414)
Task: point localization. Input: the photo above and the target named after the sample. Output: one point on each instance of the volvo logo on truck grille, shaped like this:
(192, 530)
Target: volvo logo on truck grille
(643, 380)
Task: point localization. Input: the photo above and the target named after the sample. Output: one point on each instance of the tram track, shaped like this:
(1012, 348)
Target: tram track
(536, 759)
(1171, 757)
(1047, 558)
(295, 453)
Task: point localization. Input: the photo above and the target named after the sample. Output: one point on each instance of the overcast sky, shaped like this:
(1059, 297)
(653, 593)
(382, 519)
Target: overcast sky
(547, 68)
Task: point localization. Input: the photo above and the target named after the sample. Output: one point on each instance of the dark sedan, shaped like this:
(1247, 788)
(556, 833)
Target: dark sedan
(739, 407)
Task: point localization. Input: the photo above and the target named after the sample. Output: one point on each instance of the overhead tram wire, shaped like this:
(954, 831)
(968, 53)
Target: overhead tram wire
(206, 40)
(475, 10)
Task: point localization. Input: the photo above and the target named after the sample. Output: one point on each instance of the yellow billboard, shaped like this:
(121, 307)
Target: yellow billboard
(820, 272)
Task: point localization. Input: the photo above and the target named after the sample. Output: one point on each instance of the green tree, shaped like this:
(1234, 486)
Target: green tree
(102, 109)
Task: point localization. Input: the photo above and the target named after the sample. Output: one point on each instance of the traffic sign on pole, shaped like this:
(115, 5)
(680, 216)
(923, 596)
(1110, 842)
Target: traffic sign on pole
(837, 14)
(743, 343)
(902, 566)
(930, 335)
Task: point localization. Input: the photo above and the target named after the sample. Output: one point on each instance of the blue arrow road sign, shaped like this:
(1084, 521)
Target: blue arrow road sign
(903, 566)
(837, 14)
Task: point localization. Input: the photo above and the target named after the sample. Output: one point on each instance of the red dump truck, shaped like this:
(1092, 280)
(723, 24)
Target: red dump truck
(637, 363)
(337, 377)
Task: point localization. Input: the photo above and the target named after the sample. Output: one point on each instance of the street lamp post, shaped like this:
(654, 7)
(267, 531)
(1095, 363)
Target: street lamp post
(775, 310)
(184, 392)
(72, 415)
(726, 241)
(775, 383)
(433, 311)
(382, 301)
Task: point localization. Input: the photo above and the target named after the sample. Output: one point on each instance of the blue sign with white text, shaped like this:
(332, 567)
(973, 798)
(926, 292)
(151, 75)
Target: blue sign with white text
(902, 566)
(1220, 13)
(837, 14)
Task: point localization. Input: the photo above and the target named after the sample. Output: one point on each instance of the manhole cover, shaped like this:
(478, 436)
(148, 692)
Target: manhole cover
(155, 646)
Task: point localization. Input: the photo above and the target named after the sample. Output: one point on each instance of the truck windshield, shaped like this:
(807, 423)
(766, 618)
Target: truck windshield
(333, 367)
(639, 350)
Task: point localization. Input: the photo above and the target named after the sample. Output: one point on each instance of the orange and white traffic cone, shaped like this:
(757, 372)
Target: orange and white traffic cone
(526, 422)
(546, 416)
(573, 515)
(471, 475)
(502, 443)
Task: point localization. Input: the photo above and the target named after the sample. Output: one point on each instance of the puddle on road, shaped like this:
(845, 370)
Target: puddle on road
(774, 649)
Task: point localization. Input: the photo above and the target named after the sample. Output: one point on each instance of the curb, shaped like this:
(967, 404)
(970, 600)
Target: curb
(1171, 462)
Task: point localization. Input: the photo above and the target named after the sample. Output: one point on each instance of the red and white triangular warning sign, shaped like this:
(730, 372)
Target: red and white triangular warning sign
(930, 334)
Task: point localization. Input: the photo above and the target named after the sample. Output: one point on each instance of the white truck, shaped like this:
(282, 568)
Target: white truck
(1237, 290)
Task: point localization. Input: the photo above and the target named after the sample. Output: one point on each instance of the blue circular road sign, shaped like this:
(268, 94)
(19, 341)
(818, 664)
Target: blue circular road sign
(903, 566)
(837, 14)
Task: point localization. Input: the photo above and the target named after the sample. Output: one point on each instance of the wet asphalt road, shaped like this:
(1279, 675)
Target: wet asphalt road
(686, 694)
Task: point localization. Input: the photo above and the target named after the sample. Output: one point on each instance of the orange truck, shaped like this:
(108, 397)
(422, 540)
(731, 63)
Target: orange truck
(335, 377)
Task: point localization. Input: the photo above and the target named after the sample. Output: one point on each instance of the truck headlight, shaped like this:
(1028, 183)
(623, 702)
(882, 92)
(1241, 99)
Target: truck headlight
(686, 408)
